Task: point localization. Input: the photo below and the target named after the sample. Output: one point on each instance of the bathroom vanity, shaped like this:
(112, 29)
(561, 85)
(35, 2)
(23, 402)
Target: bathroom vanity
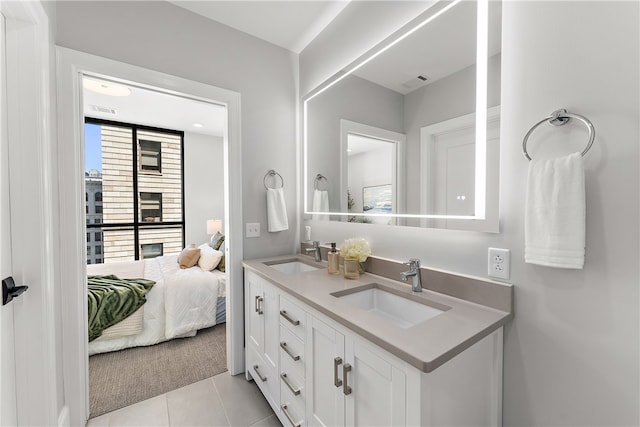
(325, 350)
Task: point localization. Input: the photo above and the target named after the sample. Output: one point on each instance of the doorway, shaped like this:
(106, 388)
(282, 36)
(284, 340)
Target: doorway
(72, 66)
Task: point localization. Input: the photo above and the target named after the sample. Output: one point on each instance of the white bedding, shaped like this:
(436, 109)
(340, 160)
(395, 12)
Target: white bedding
(181, 301)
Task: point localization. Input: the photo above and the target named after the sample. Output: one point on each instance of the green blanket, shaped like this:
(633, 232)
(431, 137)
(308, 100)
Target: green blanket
(112, 300)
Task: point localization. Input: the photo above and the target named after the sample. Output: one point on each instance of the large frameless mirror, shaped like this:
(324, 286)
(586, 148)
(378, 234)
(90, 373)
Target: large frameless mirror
(409, 133)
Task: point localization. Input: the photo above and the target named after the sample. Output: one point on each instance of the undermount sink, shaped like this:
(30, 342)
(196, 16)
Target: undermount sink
(292, 267)
(401, 311)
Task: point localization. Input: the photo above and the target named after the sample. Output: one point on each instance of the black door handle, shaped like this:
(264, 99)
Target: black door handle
(10, 290)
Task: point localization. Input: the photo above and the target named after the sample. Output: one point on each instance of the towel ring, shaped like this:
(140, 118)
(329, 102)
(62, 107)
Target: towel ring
(559, 118)
(316, 182)
(272, 173)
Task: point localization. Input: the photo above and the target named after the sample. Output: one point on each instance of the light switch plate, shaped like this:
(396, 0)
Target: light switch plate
(252, 229)
(499, 263)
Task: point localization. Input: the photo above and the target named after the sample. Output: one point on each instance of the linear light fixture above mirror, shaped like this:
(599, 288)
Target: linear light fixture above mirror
(429, 15)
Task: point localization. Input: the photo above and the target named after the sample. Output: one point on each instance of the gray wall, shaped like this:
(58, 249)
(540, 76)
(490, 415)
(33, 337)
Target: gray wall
(380, 107)
(571, 354)
(169, 39)
(203, 184)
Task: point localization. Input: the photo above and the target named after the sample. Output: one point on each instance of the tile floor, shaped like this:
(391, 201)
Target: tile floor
(222, 400)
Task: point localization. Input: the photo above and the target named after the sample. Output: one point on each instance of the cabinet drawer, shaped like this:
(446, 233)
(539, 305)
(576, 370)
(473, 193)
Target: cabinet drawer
(292, 406)
(293, 317)
(291, 351)
(264, 376)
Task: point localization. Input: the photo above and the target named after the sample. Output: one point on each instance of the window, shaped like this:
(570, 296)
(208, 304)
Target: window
(88, 237)
(88, 250)
(151, 207)
(98, 260)
(136, 187)
(151, 250)
(150, 156)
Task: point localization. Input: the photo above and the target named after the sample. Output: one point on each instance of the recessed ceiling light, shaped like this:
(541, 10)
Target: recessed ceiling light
(105, 88)
(198, 125)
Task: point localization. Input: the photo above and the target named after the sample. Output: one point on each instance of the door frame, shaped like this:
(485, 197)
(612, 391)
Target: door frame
(71, 66)
(32, 168)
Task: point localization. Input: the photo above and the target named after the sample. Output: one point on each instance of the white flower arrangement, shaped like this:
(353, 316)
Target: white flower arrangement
(356, 247)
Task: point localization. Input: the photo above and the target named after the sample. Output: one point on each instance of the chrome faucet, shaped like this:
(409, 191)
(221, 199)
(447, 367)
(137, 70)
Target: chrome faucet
(414, 273)
(316, 250)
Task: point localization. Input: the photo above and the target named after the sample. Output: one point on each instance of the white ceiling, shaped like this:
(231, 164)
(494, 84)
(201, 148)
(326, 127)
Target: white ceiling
(157, 109)
(290, 24)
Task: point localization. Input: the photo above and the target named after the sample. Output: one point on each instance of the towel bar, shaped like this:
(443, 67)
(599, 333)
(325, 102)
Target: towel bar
(273, 173)
(316, 181)
(559, 118)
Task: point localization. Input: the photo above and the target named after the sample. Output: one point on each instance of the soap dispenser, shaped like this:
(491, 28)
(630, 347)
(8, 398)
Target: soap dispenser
(333, 259)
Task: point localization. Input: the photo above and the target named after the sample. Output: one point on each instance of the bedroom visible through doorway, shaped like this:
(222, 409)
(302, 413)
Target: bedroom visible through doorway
(154, 178)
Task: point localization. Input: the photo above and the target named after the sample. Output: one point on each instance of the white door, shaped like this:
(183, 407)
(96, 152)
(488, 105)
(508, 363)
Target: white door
(324, 373)
(7, 349)
(376, 387)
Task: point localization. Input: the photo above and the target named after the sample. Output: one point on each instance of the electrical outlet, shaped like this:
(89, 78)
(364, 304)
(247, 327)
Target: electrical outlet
(499, 263)
(252, 229)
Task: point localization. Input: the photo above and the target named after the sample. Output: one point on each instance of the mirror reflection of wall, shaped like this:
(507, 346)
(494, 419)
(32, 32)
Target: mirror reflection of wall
(427, 78)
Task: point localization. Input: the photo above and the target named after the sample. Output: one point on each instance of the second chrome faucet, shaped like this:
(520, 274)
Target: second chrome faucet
(316, 251)
(414, 273)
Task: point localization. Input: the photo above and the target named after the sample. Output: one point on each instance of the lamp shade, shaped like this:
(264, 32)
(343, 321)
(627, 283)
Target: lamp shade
(214, 226)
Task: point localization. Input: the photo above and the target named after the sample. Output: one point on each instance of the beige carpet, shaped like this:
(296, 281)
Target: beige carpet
(124, 377)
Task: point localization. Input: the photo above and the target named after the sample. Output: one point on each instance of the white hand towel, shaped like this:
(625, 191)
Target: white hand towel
(554, 217)
(276, 210)
(320, 204)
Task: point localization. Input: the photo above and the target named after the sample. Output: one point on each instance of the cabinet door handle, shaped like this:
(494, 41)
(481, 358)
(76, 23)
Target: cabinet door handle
(295, 357)
(262, 377)
(293, 423)
(284, 314)
(259, 300)
(256, 303)
(345, 370)
(336, 381)
(295, 391)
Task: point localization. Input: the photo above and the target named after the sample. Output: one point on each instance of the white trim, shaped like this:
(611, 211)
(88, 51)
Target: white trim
(32, 168)
(349, 127)
(71, 66)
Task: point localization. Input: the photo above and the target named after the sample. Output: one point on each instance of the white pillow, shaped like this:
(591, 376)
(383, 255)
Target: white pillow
(209, 257)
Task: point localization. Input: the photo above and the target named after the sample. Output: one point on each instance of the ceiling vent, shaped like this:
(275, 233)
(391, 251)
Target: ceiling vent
(103, 110)
(415, 82)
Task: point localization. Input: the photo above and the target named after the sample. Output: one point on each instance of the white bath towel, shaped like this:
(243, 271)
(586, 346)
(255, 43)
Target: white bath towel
(554, 218)
(320, 204)
(276, 210)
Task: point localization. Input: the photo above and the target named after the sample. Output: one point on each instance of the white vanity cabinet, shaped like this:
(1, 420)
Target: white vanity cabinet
(351, 382)
(316, 371)
(261, 332)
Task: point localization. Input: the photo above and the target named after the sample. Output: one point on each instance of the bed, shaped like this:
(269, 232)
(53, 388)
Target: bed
(181, 302)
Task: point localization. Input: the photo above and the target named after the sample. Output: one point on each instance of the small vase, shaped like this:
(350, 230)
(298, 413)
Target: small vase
(351, 268)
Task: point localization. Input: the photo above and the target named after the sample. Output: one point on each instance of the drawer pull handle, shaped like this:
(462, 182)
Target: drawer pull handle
(283, 345)
(295, 391)
(284, 314)
(293, 423)
(345, 370)
(262, 378)
(256, 303)
(259, 300)
(336, 381)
